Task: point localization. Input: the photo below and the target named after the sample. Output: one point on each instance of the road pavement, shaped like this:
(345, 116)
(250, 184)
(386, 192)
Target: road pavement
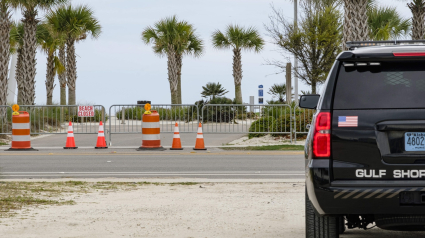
(91, 163)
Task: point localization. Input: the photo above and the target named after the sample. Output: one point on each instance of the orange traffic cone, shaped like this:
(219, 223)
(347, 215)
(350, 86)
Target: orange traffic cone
(200, 139)
(70, 142)
(101, 143)
(177, 144)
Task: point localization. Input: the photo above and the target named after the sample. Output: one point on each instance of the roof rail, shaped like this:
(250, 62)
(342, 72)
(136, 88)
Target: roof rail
(358, 44)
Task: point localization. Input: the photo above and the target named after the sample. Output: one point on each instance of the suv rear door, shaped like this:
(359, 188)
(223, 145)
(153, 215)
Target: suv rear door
(376, 109)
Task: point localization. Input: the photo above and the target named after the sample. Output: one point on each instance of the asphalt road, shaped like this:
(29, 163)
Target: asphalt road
(129, 163)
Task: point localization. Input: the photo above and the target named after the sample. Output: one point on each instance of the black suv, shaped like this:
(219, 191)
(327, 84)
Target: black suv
(365, 151)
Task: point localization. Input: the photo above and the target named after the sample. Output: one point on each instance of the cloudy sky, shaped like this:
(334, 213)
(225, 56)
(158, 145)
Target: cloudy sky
(118, 68)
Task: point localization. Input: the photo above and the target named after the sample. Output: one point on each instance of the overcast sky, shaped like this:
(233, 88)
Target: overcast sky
(118, 68)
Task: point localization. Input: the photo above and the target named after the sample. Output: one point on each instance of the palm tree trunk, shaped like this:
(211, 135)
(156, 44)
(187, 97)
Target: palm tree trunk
(50, 78)
(355, 21)
(173, 74)
(179, 74)
(29, 56)
(71, 70)
(19, 78)
(237, 74)
(5, 25)
(62, 76)
(418, 11)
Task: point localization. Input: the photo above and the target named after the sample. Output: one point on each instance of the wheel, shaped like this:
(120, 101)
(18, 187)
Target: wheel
(400, 222)
(319, 226)
(341, 225)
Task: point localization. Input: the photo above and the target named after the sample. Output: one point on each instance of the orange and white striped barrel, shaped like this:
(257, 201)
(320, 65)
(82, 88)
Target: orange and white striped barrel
(151, 138)
(21, 139)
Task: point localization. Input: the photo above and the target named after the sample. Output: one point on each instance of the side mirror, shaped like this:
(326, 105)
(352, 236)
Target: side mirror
(309, 101)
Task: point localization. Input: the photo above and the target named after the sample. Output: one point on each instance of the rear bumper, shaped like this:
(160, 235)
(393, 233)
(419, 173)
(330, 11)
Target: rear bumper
(361, 197)
(366, 200)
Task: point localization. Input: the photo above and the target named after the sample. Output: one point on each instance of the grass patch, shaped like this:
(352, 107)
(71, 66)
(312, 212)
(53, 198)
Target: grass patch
(183, 183)
(2, 143)
(267, 147)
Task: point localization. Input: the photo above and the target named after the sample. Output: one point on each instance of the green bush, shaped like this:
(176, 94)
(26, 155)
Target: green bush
(220, 113)
(269, 123)
(131, 113)
(282, 124)
(265, 124)
(178, 113)
(40, 118)
(303, 117)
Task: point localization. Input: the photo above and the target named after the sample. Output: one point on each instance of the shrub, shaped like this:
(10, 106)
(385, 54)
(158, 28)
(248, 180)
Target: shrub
(220, 113)
(282, 124)
(270, 123)
(178, 113)
(265, 124)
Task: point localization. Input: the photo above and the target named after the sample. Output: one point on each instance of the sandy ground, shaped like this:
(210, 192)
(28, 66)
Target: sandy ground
(239, 209)
(223, 208)
(264, 140)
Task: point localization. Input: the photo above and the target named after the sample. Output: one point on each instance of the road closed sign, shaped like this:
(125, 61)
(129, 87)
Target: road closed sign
(85, 111)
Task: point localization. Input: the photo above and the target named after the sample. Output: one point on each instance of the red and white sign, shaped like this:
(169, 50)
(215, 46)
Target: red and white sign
(85, 111)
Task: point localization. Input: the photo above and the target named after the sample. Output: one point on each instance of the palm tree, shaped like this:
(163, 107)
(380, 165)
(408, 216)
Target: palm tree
(386, 23)
(30, 11)
(238, 38)
(62, 75)
(17, 36)
(417, 7)
(5, 27)
(213, 90)
(51, 42)
(355, 20)
(279, 91)
(76, 23)
(174, 39)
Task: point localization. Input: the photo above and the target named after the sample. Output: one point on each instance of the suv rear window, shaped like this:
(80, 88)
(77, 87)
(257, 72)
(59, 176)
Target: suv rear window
(391, 85)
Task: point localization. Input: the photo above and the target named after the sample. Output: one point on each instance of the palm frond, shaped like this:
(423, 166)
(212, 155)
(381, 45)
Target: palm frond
(59, 67)
(34, 4)
(75, 22)
(239, 38)
(170, 32)
(213, 90)
(386, 23)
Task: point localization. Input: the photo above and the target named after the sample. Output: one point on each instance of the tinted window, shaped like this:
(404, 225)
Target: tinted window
(391, 85)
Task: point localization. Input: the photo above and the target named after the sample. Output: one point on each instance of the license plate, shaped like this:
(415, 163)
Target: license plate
(414, 141)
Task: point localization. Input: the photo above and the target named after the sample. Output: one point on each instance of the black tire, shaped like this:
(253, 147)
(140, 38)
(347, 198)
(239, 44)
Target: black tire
(319, 226)
(341, 225)
(400, 222)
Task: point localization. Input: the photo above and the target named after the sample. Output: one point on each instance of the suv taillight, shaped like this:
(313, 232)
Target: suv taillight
(322, 136)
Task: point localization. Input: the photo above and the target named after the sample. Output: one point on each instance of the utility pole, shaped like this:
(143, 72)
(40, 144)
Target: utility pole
(295, 59)
(288, 83)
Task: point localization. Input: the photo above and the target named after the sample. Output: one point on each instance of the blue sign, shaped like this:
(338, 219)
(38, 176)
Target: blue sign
(260, 94)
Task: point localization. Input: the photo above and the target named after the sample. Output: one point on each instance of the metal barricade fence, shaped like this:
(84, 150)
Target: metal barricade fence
(127, 118)
(302, 118)
(54, 119)
(275, 119)
(247, 119)
(5, 120)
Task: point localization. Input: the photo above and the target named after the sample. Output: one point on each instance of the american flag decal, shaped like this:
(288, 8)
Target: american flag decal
(351, 121)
